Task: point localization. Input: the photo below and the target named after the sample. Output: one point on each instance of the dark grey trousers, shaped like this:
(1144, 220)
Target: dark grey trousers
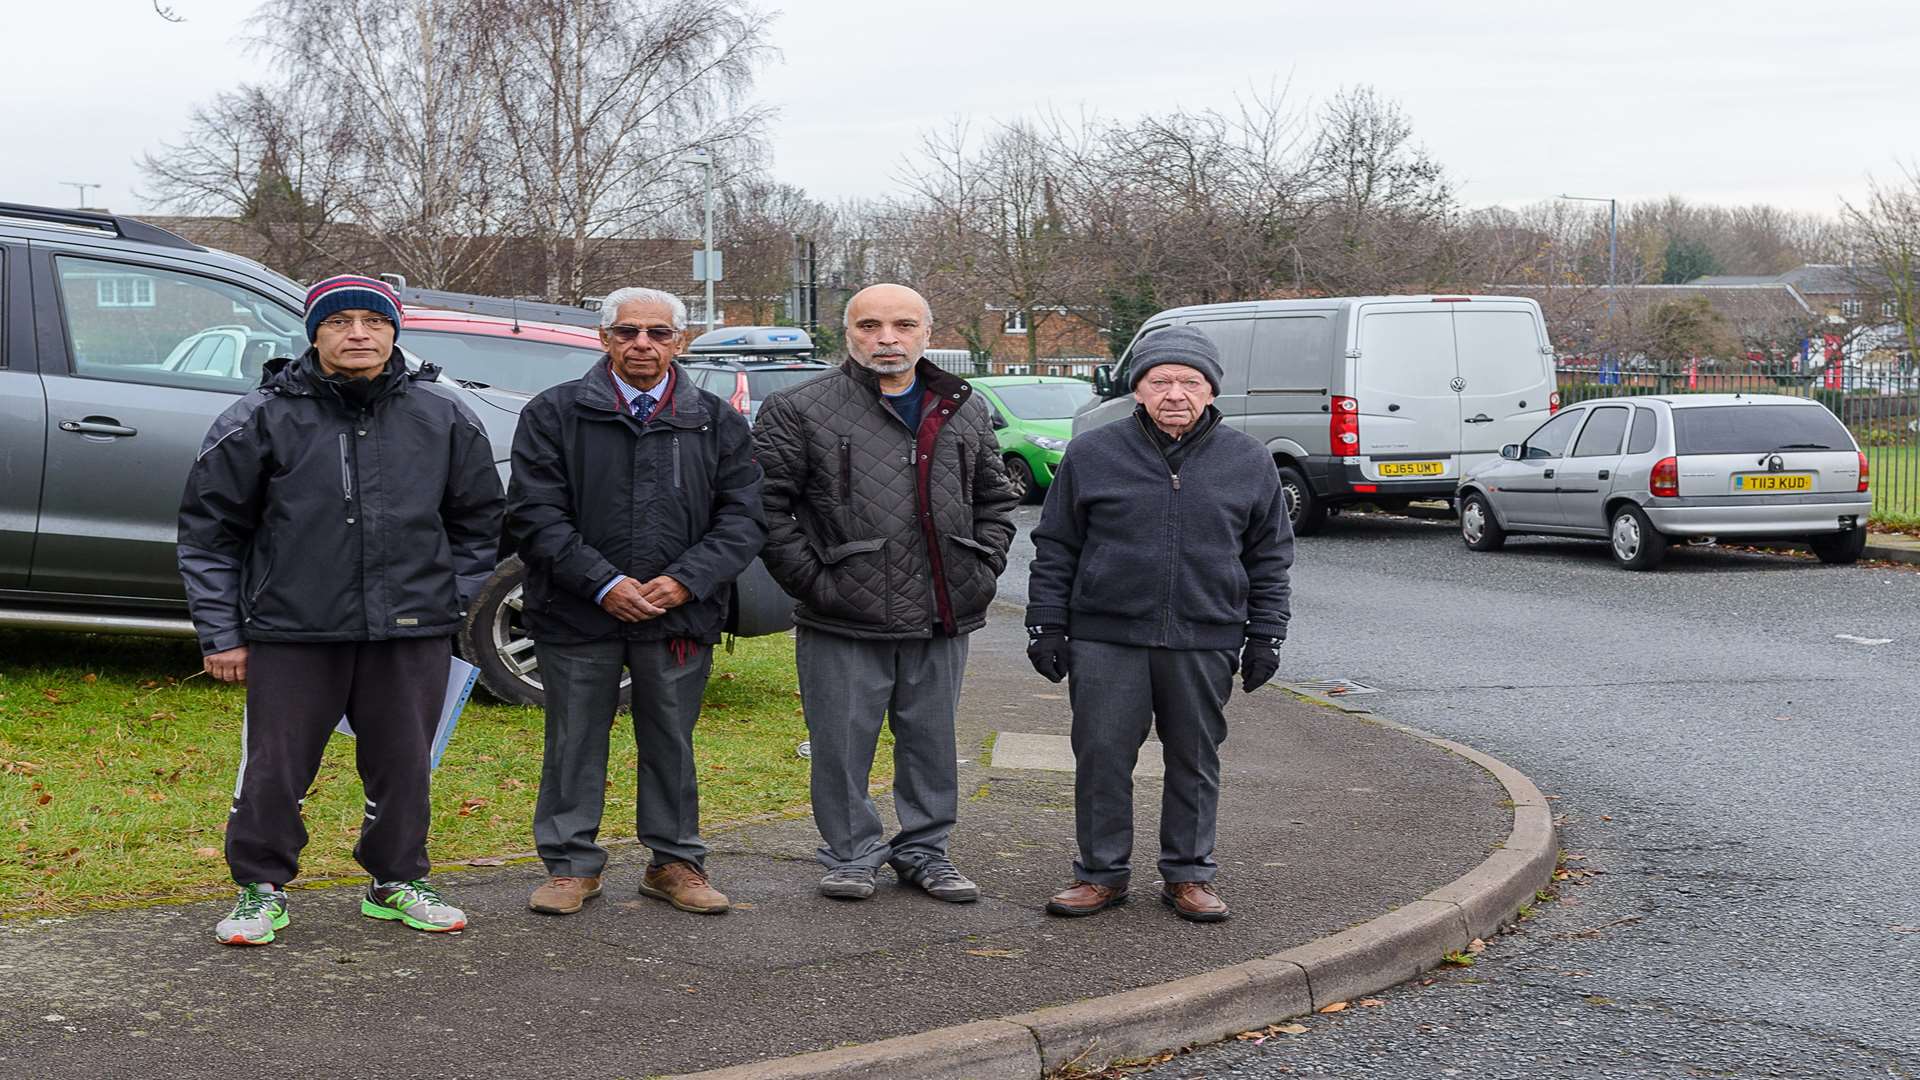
(847, 686)
(296, 693)
(1119, 693)
(583, 692)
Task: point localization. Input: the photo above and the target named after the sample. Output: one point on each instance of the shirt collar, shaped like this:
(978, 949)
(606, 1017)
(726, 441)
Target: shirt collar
(630, 394)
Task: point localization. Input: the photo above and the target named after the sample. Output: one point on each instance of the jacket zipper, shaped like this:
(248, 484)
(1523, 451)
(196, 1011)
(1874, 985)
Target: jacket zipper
(1166, 602)
(346, 470)
(676, 463)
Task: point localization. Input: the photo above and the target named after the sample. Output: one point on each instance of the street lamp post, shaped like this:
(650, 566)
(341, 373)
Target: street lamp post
(1613, 218)
(707, 266)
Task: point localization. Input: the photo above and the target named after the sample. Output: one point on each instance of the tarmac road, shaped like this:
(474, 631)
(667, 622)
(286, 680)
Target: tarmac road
(1736, 783)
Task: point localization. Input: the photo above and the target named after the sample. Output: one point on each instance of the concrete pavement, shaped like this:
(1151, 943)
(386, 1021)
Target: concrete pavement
(1354, 854)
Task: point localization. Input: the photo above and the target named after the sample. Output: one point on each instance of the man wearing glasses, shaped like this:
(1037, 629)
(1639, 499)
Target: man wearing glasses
(335, 527)
(634, 502)
(1161, 565)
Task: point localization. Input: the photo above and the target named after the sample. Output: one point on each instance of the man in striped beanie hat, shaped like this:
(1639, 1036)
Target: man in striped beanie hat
(335, 529)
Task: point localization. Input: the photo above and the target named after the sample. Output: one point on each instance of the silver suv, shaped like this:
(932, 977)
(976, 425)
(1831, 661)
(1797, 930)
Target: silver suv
(1639, 471)
(119, 344)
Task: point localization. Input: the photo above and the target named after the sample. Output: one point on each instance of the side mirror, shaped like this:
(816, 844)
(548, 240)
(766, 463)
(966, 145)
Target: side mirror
(1103, 380)
(998, 421)
(1511, 451)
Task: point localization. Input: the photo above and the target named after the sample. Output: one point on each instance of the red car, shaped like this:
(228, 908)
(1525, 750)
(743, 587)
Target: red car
(488, 351)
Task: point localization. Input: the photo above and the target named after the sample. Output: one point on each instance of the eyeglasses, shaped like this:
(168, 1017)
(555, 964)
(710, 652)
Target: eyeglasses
(1162, 386)
(341, 324)
(659, 335)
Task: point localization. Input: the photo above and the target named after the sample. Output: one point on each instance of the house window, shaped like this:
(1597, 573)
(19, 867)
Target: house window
(128, 290)
(1850, 308)
(1016, 322)
(1889, 309)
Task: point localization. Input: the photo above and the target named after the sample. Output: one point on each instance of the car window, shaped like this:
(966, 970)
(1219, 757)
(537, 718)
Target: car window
(1045, 401)
(761, 384)
(1550, 439)
(1233, 339)
(1601, 437)
(1292, 353)
(517, 364)
(1406, 352)
(145, 324)
(1646, 431)
(1757, 429)
(1499, 350)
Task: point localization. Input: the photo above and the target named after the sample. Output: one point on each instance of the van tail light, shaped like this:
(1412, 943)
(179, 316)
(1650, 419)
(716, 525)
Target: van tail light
(1553, 403)
(1343, 431)
(1863, 471)
(739, 398)
(1665, 481)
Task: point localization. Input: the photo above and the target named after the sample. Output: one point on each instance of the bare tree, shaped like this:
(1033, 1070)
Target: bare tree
(1885, 231)
(1383, 209)
(424, 122)
(599, 101)
(272, 157)
(755, 224)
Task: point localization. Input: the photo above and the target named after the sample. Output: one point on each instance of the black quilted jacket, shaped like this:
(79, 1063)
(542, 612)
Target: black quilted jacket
(879, 531)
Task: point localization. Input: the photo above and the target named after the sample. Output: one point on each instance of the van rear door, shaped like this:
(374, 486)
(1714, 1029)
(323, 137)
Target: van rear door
(1506, 375)
(1409, 415)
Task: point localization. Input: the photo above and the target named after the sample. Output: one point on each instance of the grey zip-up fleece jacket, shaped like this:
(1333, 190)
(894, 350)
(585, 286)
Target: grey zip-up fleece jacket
(1132, 553)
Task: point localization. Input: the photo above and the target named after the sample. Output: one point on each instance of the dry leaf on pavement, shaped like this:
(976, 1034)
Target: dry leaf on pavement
(1333, 1007)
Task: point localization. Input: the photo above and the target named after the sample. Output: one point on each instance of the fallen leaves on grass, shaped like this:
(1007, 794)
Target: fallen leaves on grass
(206, 853)
(468, 806)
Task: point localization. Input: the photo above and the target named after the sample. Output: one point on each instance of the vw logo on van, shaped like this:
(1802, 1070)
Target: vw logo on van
(1458, 384)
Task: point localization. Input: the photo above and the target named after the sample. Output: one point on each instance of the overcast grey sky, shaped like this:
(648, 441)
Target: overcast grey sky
(1756, 101)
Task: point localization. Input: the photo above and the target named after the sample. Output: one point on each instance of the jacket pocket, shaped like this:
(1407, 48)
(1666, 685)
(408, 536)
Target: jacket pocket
(853, 583)
(973, 574)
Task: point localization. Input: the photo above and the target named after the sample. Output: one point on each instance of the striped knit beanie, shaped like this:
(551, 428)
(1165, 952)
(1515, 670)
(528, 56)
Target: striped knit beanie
(348, 291)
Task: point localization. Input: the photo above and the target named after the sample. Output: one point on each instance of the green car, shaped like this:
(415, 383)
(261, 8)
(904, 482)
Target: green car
(1034, 416)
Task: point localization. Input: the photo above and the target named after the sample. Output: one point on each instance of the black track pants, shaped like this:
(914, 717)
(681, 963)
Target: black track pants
(391, 691)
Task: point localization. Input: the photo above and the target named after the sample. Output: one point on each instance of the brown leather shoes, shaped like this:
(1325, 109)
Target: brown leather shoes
(1085, 898)
(564, 895)
(684, 886)
(1195, 901)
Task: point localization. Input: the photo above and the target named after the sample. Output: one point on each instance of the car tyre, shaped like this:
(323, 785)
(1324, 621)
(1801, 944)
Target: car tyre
(495, 640)
(1307, 511)
(1841, 548)
(1021, 474)
(1478, 527)
(1635, 543)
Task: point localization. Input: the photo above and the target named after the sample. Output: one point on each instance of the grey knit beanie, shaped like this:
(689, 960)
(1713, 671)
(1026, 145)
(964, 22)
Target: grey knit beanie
(1175, 345)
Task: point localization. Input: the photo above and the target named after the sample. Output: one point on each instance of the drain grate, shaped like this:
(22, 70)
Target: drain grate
(1336, 687)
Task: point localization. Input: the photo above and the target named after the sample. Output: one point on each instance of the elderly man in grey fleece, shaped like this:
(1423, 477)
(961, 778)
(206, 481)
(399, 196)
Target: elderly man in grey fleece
(1160, 569)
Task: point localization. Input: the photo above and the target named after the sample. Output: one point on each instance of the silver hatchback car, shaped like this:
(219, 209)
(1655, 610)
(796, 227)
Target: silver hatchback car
(1639, 471)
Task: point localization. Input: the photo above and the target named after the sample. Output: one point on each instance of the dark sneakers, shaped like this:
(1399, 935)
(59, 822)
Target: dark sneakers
(848, 883)
(1195, 901)
(1085, 898)
(941, 880)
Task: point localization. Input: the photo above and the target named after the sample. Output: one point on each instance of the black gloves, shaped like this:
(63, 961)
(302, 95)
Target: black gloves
(1047, 649)
(1259, 660)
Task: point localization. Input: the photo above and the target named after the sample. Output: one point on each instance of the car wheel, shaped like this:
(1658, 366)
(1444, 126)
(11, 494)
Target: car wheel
(494, 639)
(1478, 527)
(1305, 510)
(1636, 544)
(1021, 474)
(1840, 549)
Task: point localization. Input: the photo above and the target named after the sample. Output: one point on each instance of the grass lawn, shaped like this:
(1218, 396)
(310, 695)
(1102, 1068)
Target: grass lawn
(117, 769)
(1896, 485)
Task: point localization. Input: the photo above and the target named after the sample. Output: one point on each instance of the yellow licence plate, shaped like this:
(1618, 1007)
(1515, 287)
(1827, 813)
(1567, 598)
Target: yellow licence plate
(1410, 468)
(1765, 482)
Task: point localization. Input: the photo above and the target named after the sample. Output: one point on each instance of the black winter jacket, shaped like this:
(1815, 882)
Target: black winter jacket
(596, 494)
(310, 516)
(1131, 552)
(877, 530)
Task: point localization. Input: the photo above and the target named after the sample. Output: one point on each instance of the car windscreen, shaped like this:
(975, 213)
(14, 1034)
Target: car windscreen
(1045, 401)
(762, 383)
(517, 364)
(1757, 429)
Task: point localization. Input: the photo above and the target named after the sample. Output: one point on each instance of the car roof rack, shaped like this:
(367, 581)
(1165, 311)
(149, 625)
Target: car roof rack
(96, 222)
(504, 307)
(754, 343)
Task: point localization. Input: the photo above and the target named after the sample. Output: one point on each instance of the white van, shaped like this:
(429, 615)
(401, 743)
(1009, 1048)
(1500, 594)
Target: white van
(1377, 399)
